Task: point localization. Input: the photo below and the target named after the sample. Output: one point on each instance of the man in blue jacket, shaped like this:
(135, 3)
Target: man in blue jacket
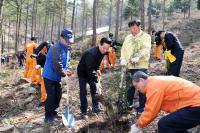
(55, 67)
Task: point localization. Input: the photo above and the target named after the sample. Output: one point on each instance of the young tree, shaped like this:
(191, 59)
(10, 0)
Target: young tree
(149, 16)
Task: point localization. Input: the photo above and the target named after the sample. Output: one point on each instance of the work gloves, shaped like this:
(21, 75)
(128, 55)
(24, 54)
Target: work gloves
(169, 56)
(135, 60)
(134, 129)
(123, 62)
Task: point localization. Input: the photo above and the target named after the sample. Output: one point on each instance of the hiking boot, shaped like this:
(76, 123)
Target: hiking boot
(41, 104)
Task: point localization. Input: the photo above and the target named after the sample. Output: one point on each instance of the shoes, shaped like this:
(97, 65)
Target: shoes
(48, 121)
(139, 109)
(96, 110)
(55, 115)
(41, 104)
(84, 116)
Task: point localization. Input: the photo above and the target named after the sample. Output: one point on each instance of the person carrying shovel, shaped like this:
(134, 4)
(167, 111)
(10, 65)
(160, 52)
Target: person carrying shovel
(56, 66)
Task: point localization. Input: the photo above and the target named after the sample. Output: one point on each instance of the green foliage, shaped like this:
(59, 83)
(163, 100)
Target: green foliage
(131, 9)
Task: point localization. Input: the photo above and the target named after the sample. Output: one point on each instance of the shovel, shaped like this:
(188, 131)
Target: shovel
(67, 117)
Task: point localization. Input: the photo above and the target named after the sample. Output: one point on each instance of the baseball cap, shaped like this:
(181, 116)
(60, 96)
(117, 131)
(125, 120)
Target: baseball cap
(68, 35)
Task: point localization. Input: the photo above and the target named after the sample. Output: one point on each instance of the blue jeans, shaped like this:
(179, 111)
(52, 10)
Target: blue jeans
(131, 89)
(180, 121)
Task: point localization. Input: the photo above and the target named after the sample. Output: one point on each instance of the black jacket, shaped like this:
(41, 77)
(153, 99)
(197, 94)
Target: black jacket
(172, 43)
(90, 63)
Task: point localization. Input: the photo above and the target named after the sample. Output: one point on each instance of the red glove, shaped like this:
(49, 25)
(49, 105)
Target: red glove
(69, 72)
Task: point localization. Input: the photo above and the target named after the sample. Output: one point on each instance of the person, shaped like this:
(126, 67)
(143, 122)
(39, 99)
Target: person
(40, 55)
(135, 55)
(173, 51)
(88, 70)
(30, 62)
(157, 49)
(174, 95)
(56, 66)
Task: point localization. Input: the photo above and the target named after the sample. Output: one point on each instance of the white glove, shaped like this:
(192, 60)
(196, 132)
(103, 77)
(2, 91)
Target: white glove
(37, 66)
(134, 129)
(135, 60)
(123, 62)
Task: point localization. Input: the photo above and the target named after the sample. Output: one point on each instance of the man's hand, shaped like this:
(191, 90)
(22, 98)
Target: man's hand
(98, 73)
(123, 62)
(135, 60)
(69, 72)
(134, 129)
(37, 66)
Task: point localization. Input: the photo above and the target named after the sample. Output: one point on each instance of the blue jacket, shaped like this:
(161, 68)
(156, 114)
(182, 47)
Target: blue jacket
(57, 61)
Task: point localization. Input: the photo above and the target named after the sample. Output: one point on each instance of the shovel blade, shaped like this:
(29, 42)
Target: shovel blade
(68, 119)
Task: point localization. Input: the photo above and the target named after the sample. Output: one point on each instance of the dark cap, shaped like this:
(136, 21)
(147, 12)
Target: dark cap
(33, 38)
(105, 40)
(68, 35)
(134, 22)
(139, 74)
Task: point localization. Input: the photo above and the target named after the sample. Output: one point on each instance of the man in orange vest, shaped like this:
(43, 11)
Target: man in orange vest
(177, 96)
(30, 62)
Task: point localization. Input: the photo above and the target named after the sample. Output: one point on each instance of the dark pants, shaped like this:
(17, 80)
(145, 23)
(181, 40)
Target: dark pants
(180, 121)
(131, 90)
(175, 67)
(54, 94)
(83, 93)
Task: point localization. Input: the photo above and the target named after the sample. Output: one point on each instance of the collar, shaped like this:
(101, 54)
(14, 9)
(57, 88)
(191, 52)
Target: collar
(139, 34)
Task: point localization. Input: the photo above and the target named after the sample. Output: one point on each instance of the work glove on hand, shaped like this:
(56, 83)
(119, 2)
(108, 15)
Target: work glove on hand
(135, 60)
(134, 129)
(123, 62)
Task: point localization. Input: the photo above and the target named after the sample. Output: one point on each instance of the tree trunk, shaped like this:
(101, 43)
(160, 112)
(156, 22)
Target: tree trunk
(94, 23)
(19, 25)
(52, 22)
(73, 14)
(121, 15)
(149, 17)
(1, 22)
(16, 32)
(83, 20)
(59, 24)
(117, 20)
(45, 22)
(75, 21)
(2, 42)
(65, 13)
(189, 10)
(33, 18)
(110, 17)
(26, 26)
(9, 25)
(142, 14)
(163, 14)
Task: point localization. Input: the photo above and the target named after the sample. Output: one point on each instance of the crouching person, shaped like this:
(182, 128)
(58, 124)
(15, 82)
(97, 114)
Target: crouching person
(177, 96)
(88, 72)
(55, 67)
